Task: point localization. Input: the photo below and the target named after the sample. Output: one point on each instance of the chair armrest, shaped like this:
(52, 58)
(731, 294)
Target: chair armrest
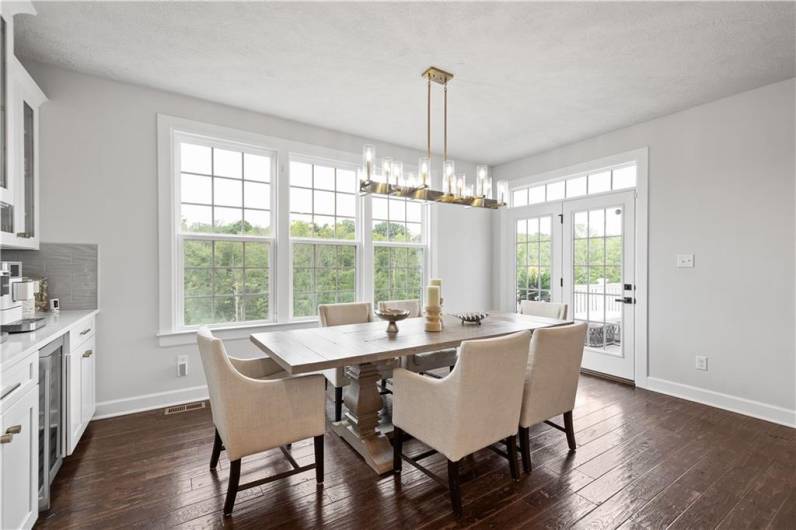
(261, 415)
(423, 406)
(257, 367)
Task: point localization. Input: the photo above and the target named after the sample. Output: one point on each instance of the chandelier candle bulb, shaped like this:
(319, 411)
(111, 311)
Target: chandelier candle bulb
(398, 173)
(386, 169)
(424, 170)
(368, 158)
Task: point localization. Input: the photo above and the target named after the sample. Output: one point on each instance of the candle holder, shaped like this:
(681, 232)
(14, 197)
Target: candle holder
(433, 318)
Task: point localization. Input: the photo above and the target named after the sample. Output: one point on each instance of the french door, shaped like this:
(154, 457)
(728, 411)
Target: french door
(599, 278)
(581, 252)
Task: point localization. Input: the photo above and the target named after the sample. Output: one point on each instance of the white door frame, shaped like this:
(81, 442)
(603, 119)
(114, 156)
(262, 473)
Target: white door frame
(505, 241)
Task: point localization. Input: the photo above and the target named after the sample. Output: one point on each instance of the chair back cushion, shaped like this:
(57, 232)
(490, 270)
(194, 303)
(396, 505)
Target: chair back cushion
(342, 314)
(218, 370)
(489, 375)
(551, 382)
(413, 306)
(543, 309)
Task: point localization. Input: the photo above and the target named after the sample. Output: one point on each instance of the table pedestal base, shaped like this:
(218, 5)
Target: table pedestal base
(360, 426)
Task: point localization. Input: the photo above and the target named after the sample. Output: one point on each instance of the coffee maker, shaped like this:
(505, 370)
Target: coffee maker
(16, 300)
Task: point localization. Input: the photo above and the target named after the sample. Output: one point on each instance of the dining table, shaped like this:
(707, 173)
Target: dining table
(365, 351)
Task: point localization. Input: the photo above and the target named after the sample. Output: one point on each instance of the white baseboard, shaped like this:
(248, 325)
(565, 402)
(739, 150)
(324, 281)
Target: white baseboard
(747, 407)
(120, 407)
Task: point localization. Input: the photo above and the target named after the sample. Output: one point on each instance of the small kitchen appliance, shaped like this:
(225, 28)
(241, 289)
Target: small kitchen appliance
(16, 300)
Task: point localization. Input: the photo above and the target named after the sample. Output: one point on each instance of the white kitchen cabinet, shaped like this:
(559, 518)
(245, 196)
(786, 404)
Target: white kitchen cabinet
(20, 100)
(81, 402)
(19, 454)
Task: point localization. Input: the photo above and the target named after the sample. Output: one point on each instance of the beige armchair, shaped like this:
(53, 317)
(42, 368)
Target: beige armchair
(421, 362)
(551, 382)
(340, 315)
(473, 407)
(257, 407)
(544, 309)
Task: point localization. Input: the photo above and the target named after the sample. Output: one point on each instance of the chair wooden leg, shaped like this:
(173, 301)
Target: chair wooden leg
(318, 441)
(383, 386)
(570, 430)
(455, 488)
(338, 403)
(451, 367)
(525, 448)
(232, 488)
(217, 445)
(511, 450)
(397, 449)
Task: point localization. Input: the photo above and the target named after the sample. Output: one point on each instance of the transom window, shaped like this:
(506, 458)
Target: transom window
(612, 179)
(224, 232)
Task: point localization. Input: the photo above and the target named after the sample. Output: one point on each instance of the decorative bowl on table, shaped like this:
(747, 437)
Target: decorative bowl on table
(392, 316)
(471, 318)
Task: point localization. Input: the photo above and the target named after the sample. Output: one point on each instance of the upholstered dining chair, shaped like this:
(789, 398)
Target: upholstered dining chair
(543, 309)
(421, 362)
(471, 408)
(551, 382)
(256, 407)
(340, 315)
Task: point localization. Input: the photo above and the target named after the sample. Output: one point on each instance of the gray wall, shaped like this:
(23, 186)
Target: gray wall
(721, 186)
(70, 268)
(99, 185)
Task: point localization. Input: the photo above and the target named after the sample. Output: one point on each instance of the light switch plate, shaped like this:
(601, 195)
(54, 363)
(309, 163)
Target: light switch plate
(685, 261)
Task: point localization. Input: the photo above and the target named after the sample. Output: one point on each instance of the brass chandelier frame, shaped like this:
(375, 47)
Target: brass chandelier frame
(423, 192)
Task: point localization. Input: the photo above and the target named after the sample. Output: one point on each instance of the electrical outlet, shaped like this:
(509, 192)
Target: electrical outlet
(685, 261)
(701, 363)
(182, 365)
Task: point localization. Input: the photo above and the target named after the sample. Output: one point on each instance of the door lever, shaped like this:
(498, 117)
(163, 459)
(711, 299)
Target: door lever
(626, 300)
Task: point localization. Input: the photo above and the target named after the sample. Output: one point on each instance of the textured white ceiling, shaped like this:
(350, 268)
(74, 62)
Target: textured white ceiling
(528, 76)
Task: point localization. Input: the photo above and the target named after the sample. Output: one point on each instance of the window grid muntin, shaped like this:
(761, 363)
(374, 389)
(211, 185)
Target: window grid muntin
(214, 267)
(420, 225)
(393, 292)
(313, 295)
(608, 297)
(243, 151)
(526, 189)
(335, 191)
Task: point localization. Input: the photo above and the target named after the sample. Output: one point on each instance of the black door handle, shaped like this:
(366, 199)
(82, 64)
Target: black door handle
(625, 300)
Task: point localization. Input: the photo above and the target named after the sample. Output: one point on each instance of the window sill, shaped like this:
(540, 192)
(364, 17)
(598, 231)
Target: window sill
(230, 332)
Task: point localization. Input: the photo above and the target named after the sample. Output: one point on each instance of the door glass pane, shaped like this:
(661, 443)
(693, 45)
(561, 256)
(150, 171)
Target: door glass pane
(533, 258)
(597, 272)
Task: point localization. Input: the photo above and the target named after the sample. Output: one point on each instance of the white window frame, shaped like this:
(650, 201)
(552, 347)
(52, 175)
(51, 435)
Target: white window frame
(424, 243)
(178, 137)
(356, 242)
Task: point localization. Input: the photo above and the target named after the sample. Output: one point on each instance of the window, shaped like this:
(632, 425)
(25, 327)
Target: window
(605, 180)
(533, 259)
(399, 251)
(324, 238)
(224, 235)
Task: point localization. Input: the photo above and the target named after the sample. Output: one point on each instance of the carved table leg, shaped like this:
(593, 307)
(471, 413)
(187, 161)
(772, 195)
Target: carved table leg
(359, 427)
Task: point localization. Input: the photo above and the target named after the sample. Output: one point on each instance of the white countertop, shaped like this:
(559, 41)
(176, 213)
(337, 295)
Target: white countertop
(19, 345)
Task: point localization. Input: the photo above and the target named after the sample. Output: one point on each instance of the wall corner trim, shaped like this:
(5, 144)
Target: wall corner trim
(747, 407)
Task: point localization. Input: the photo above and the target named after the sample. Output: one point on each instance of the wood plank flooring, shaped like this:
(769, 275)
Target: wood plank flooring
(644, 460)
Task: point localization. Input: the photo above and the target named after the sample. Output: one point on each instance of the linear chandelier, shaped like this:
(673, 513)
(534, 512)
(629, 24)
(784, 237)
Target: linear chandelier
(387, 177)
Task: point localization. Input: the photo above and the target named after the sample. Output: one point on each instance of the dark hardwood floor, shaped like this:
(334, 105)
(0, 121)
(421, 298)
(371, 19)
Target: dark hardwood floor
(644, 460)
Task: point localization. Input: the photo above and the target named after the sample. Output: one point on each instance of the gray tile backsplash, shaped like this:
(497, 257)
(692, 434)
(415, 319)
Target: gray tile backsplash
(70, 269)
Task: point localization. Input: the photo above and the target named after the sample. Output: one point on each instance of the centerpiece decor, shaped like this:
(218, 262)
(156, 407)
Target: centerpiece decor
(433, 311)
(392, 316)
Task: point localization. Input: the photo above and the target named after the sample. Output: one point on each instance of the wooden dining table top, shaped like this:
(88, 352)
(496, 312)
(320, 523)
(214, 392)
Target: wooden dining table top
(307, 350)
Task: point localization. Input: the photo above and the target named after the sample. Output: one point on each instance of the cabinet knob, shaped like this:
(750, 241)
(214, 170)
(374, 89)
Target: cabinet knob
(6, 438)
(14, 429)
(88, 353)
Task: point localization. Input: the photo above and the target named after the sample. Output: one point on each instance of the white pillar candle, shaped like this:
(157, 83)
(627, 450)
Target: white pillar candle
(432, 296)
(438, 283)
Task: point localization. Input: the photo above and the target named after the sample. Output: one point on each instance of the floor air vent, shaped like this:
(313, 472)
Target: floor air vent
(179, 409)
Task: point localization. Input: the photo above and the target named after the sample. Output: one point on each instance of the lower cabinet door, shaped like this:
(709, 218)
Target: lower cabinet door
(74, 400)
(19, 462)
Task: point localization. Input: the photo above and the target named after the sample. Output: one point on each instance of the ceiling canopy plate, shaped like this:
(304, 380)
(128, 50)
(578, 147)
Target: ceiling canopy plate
(437, 75)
